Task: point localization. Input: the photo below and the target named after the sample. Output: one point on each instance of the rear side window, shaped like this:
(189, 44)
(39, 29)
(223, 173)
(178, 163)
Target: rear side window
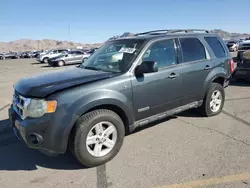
(192, 49)
(79, 53)
(216, 46)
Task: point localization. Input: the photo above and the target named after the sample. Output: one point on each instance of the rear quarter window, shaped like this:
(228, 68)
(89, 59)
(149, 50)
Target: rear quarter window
(192, 49)
(216, 46)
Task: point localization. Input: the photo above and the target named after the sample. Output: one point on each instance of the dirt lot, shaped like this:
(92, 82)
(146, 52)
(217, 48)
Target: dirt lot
(183, 151)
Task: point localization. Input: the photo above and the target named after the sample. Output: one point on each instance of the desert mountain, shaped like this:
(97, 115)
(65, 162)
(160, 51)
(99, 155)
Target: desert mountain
(27, 44)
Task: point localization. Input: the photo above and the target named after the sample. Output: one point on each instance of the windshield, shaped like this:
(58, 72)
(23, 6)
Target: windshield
(115, 56)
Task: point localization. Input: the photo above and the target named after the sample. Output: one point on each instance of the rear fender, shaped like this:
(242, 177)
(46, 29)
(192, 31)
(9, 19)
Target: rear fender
(218, 72)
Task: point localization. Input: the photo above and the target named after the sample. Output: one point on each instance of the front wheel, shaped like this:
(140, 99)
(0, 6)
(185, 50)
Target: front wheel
(98, 137)
(213, 101)
(46, 60)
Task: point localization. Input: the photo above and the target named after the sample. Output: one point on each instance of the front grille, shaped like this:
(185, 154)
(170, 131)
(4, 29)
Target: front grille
(20, 104)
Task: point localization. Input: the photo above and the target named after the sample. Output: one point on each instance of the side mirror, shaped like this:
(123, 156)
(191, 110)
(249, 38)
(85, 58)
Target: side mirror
(146, 67)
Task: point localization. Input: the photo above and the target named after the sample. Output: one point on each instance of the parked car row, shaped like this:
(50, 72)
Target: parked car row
(61, 57)
(233, 45)
(10, 55)
(43, 56)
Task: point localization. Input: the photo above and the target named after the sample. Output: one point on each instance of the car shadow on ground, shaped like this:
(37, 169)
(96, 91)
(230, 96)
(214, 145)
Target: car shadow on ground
(15, 155)
(47, 66)
(239, 83)
(36, 63)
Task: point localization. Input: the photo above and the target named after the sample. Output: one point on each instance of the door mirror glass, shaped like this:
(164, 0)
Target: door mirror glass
(146, 67)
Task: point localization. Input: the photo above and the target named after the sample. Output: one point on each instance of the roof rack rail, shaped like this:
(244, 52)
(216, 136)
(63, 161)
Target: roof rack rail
(187, 30)
(154, 31)
(167, 31)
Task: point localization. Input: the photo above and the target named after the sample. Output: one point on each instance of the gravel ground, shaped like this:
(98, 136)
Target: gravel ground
(187, 149)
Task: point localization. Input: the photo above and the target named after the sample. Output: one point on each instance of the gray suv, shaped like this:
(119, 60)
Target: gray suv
(127, 83)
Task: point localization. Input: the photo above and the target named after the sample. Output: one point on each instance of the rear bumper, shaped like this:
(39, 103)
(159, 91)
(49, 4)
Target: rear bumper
(243, 73)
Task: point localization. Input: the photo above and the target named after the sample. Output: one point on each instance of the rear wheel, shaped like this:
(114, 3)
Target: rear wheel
(98, 137)
(213, 101)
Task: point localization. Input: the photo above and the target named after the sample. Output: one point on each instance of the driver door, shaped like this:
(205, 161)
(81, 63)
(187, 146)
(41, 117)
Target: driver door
(154, 93)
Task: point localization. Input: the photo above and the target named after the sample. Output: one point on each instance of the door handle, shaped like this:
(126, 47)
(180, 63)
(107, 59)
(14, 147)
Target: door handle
(172, 75)
(207, 67)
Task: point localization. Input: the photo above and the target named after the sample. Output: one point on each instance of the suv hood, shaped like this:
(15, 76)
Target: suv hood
(47, 83)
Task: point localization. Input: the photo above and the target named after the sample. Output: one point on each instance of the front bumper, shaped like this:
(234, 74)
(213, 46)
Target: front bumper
(49, 132)
(31, 131)
(53, 63)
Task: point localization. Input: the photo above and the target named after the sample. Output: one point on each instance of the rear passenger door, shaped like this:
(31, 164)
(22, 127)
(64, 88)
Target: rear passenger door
(78, 56)
(196, 65)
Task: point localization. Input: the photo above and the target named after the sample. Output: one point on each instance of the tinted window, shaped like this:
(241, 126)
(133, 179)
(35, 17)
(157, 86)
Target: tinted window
(216, 46)
(192, 49)
(162, 52)
(79, 53)
(60, 51)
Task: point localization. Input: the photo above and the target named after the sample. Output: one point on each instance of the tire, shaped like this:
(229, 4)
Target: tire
(84, 59)
(206, 109)
(86, 125)
(45, 60)
(61, 63)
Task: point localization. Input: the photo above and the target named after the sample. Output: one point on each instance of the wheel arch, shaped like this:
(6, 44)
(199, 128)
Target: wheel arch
(218, 76)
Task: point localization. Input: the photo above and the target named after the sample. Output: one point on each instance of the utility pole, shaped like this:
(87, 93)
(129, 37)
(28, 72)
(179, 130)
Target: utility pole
(69, 32)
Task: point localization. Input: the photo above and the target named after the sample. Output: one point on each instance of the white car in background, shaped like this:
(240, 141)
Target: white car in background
(51, 54)
(71, 57)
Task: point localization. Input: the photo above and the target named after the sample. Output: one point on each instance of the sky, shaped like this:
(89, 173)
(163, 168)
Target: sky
(91, 21)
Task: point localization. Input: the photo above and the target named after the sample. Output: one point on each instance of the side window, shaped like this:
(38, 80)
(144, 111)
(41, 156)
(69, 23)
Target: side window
(61, 51)
(216, 46)
(192, 49)
(78, 53)
(162, 52)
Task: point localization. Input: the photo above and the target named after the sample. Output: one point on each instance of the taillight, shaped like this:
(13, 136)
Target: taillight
(231, 65)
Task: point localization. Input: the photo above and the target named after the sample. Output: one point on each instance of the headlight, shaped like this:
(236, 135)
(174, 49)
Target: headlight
(37, 107)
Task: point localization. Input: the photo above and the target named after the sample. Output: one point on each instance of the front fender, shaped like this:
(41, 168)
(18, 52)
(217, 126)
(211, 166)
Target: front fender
(104, 97)
(59, 134)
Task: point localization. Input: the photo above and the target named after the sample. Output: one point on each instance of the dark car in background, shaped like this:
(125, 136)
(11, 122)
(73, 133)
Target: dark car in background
(30, 54)
(243, 57)
(71, 57)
